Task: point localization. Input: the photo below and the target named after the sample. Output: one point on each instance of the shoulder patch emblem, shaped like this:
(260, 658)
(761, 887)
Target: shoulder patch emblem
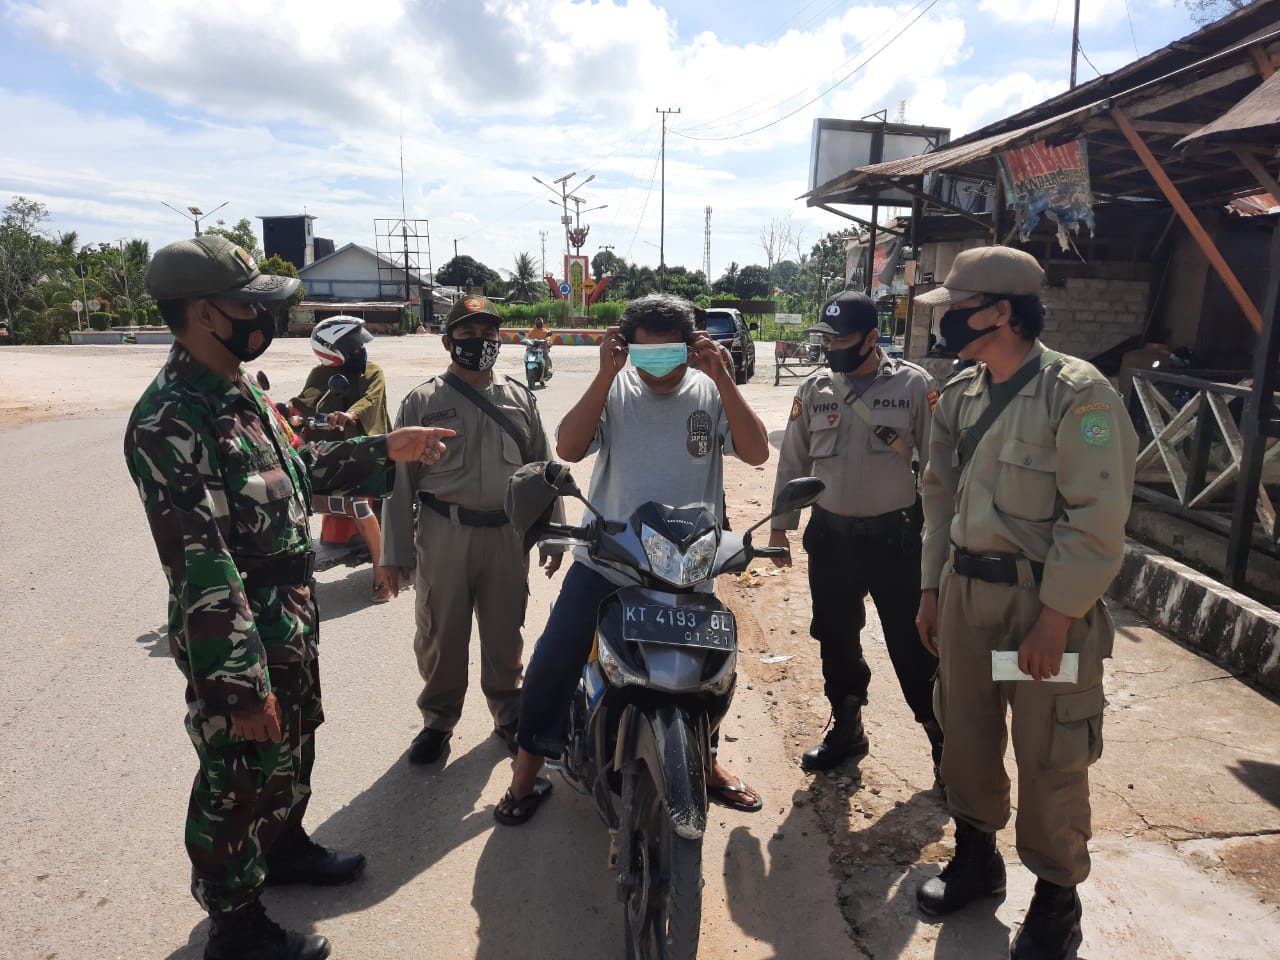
(1095, 429)
(1091, 408)
(797, 408)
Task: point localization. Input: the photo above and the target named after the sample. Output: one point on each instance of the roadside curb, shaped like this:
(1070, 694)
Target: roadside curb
(1235, 631)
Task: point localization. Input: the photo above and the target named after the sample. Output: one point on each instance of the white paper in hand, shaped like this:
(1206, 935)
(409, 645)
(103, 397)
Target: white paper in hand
(1004, 666)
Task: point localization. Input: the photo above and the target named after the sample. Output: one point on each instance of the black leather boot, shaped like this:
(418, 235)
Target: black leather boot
(1051, 929)
(977, 870)
(296, 858)
(934, 732)
(846, 740)
(249, 934)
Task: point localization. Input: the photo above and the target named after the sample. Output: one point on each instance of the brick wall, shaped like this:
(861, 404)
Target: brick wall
(1087, 316)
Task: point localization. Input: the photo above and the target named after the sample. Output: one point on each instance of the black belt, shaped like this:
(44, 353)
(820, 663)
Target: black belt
(295, 569)
(992, 567)
(879, 525)
(466, 516)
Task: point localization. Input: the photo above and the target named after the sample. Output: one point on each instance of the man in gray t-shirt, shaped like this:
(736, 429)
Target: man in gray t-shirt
(661, 430)
(658, 446)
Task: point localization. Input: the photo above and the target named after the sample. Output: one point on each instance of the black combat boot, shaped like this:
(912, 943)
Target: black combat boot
(976, 870)
(846, 740)
(249, 934)
(934, 732)
(1051, 929)
(296, 858)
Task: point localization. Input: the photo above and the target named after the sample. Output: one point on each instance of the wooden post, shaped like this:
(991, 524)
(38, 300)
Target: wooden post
(1193, 225)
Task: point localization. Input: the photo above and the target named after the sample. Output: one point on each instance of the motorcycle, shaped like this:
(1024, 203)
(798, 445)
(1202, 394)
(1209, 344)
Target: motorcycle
(537, 360)
(659, 681)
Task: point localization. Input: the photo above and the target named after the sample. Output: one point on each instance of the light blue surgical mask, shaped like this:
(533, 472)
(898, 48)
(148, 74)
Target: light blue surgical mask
(658, 359)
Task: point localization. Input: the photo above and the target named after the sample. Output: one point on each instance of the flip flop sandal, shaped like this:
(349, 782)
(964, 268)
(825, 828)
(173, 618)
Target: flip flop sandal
(518, 811)
(726, 795)
(381, 594)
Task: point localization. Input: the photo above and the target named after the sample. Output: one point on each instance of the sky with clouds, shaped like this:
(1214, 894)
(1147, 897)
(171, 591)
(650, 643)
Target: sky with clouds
(111, 108)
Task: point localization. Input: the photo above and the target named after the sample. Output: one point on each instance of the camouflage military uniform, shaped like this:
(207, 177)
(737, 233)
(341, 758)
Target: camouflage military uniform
(225, 496)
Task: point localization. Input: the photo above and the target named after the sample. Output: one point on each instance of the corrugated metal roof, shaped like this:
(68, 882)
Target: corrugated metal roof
(1258, 114)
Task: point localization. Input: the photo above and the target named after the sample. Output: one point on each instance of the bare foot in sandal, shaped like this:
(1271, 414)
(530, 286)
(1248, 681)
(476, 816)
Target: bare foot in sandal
(512, 812)
(730, 791)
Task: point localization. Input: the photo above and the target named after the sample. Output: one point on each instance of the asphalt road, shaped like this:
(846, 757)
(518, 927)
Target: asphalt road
(95, 766)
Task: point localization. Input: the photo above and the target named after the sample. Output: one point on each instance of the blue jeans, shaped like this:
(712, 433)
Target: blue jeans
(557, 661)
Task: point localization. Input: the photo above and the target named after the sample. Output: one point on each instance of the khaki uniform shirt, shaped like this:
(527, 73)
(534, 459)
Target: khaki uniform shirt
(827, 439)
(1052, 479)
(366, 400)
(477, 463)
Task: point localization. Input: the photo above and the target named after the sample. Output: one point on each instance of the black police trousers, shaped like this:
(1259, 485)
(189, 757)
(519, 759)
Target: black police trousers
(843, 568)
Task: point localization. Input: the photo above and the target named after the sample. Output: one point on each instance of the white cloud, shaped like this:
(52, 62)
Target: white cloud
(301, 104)
(1092, 12)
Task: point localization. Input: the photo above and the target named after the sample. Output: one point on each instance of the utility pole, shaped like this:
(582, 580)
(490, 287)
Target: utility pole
(543, 235)
(124, 271)
(1075, 44)
(662, 213)
(706, 246)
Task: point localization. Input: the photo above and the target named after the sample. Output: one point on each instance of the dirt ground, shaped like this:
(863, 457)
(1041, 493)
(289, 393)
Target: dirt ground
(1186, 799)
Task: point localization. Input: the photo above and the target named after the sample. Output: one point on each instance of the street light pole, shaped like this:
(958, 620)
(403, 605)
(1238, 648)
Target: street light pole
(124, 271)
(195, 214)
(565, 219)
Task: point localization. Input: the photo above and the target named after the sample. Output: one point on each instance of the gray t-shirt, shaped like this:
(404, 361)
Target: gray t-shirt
(665, 447)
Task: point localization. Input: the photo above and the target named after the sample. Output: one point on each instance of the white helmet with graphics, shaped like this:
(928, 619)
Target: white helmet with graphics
(336, 339)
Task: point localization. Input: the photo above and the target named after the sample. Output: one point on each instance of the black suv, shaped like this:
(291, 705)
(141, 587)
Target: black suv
(728, 329)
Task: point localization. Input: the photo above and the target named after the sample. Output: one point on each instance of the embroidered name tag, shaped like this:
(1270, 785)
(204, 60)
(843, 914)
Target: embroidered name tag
(431, 418)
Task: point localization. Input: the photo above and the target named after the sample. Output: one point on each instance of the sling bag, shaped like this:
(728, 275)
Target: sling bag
(489, 410)
(971, 437)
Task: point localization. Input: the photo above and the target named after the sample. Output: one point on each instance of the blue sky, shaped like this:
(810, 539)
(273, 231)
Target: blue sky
(111, 108)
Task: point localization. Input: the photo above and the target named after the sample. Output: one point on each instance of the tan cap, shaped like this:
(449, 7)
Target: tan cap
(209, 266)
(989, 270)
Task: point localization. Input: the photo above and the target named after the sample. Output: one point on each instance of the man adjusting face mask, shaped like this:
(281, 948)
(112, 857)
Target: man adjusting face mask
(658, 359)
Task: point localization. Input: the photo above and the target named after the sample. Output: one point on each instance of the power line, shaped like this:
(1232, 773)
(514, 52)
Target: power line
(716, 122)
(814, 100)
(1131, 31)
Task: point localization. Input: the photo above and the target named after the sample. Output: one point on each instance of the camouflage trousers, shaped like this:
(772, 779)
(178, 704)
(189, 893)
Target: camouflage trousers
(247, 794)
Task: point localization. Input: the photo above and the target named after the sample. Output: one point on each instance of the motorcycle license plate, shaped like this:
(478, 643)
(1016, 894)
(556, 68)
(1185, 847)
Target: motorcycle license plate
(679, 626)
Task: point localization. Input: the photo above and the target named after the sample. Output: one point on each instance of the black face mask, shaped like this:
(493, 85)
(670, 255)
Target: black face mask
(249, 338)
(475, 353)
(849, 359)
(354, 365)
(955, 329)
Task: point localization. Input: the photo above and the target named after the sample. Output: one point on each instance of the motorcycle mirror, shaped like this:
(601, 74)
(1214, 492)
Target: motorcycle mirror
(260, 378)
(339, 383)
(797, 494)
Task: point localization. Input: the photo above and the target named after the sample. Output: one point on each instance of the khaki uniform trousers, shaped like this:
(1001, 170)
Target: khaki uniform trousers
(461, 569)
(1056, 727)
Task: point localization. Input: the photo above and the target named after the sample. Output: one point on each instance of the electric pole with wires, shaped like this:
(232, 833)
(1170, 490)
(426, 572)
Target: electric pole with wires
(662, 210)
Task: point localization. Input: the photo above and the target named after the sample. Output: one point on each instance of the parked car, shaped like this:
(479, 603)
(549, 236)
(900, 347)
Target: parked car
(728, 329)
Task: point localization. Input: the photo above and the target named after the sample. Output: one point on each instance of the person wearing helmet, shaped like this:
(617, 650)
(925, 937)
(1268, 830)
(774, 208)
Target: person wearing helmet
(339, 343)
(357, 411)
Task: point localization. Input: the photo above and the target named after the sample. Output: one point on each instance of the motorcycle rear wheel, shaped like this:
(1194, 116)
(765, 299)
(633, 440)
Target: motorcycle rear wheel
(663, 914)
(531, 374)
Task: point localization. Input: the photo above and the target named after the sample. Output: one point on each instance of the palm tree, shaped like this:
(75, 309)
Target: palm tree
(524, 279)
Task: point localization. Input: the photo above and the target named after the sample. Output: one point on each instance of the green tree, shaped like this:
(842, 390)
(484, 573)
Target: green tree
(525, 282)
(241, 235)
(277, 266)
(753, 281)
(25, 252)
(1206, 11)
(684, 283)
(465, 271)
(606, 261)
(728, 282)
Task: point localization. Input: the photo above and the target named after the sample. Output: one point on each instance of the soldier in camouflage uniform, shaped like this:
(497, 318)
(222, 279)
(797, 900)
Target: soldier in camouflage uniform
(227, 500)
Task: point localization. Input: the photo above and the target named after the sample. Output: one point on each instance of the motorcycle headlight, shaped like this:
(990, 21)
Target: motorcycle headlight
(681, 569)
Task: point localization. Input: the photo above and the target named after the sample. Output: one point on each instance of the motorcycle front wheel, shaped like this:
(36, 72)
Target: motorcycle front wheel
(664, 909)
